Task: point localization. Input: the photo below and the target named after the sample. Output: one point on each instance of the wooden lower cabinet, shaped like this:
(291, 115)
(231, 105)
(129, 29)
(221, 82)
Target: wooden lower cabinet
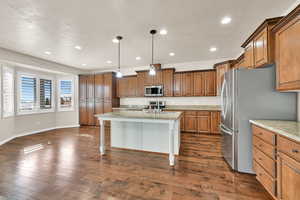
(204, 121)
(276, 162)
(215, 122)
(288, 183)
(190, 121)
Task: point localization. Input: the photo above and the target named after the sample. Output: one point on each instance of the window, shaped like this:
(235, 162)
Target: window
(28, 93)
(65, 95)
(46, 94)
(8, 91)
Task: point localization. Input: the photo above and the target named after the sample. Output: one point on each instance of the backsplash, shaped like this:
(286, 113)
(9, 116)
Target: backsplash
(172, 100)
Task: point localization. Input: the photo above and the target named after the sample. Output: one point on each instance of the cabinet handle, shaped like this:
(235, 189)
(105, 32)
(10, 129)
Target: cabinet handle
(295, 151)
(259, 159)
(260, 145)
(260, 133)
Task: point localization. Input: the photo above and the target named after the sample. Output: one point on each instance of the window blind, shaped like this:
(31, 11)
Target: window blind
(45, 94)
(66, 93)
(28, 93)
(8, 92)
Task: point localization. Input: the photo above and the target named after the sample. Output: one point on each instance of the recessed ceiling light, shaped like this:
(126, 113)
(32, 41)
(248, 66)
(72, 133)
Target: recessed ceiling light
(171, 54)
(109, 62)
(138, 58)
(78, 47)
(115, 40)
(225, 20)
(83, 64)
(48, 52)
(213, 49)
(163, 32)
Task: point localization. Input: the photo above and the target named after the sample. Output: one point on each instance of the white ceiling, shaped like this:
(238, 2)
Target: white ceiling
(35, 26)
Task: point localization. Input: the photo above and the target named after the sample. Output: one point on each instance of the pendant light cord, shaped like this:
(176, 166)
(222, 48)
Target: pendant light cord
(119, 55)
(152, 49)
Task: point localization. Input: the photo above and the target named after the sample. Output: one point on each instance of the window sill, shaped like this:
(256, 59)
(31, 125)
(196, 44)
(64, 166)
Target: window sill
(35, 112)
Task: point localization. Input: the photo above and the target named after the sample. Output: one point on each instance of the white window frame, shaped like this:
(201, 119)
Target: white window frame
(12, 70)
(52, 109)
(37, 109)
(59, 108)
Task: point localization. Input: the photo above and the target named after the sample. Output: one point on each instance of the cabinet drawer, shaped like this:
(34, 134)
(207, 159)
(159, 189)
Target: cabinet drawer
(289, 147)
(264, 134)
(268, 164)
(191, 113)
(268, 149)
(203, 113)
(262, 176)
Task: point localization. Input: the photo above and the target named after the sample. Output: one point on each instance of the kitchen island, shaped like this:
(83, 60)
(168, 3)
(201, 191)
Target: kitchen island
(145, 131)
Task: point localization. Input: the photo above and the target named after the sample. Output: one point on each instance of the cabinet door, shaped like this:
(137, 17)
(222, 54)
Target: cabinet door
(249, 59)
(288, 178)
(107, 86)
(177, 84)
(199, 84)
(168, 82)
(140, 84)
(158, 78)
(260, 48)
(99, 95)
(287, 56)
(82, 101)
(148, 79)
(188, 84)
(90, 100)
(215, 122)
(132, 86)
(220, 71)
(190, 123)
(210, 83)
(203, 122)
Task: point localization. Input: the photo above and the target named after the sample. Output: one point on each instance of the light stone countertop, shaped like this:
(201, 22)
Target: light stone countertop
(290, 129)
(183, 107)
(139, 115)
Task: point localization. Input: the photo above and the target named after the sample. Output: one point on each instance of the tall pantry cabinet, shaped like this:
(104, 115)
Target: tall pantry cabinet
(97, 95)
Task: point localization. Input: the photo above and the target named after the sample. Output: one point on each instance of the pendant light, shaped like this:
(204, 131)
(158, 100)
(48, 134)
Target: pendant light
(152, 71)
(119, 74)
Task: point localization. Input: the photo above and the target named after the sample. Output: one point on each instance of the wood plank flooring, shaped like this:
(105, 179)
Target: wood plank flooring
(65, 164)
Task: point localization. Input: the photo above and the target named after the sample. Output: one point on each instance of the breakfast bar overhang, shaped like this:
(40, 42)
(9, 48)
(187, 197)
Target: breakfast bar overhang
(145, 131)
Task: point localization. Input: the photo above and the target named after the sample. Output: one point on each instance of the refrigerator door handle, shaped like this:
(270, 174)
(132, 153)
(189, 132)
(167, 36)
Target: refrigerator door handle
(223, 129)
(223, 103)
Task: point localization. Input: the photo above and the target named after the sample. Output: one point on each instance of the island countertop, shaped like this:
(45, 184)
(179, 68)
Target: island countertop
(289, 129)
(140, 115)
(173, 107)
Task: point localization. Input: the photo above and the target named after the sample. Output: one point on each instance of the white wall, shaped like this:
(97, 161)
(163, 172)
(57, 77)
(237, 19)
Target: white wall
(26, 124)
(172, 100)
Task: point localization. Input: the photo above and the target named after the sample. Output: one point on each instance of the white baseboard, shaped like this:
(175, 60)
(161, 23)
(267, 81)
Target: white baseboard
(38, 131)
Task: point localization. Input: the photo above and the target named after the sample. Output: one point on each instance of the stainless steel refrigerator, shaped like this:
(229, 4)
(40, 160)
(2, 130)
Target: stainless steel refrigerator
(249, 94)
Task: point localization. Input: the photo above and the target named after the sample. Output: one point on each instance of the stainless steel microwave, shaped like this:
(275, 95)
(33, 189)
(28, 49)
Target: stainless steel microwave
(154, 91)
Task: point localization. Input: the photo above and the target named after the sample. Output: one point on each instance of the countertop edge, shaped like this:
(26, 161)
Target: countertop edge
(275, 130)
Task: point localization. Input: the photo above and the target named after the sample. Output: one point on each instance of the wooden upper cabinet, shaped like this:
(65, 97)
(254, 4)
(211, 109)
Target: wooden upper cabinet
(187, 84)
(249, 55)
(167, 78)
(199, 84)
(240, 62)
(259, 47)
(132, 86)
(177, 84)
(210, 83)
(127, 86)
(221, 69)
(107, 84)
(287, 56)
(140, 84)
(99, 95)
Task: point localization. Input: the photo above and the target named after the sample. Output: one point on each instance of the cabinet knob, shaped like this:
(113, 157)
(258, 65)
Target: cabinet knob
(295, 151)
(260, 133)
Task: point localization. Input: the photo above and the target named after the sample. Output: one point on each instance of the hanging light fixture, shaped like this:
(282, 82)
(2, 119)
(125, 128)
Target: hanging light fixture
(152, 71)
(119, 74)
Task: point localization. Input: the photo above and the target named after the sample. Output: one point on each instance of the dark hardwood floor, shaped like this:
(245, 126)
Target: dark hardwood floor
(65, 164)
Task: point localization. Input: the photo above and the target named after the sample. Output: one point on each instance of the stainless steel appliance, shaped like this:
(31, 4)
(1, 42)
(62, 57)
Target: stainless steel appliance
(159, 105)
(154, 91)
(249, 94)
